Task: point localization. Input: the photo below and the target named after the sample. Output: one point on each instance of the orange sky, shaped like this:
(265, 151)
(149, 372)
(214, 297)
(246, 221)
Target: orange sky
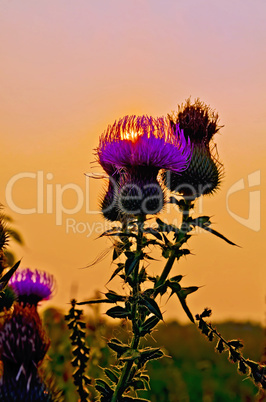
(69, 68)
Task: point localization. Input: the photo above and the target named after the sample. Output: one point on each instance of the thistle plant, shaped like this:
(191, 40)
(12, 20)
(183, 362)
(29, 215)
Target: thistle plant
(144, 158)
(6, 268)
(254, 370)
(23, 340)
(80, 350)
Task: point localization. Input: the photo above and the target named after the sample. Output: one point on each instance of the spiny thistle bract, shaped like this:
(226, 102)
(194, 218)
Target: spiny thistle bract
(203, 176)
(23, 345)
(132, 151)
(108, 203)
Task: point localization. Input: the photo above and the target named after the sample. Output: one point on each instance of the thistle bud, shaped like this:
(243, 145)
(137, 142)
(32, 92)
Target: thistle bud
(133, 150)
(203, 176)
(108, 203)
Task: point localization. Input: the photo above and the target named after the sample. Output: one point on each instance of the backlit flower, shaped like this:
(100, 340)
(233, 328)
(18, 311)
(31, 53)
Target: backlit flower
(32, 286)
(203, 176)
(132, 151)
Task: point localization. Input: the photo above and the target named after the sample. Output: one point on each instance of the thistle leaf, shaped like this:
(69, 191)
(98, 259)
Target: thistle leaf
(118, 346)
(5, 278)
(114, 297)
(184, 292)
(204, 223)
(220, 235)
(152, 306)
(153, 232)
(185, 307)
(96, 301)
(111, 375)
(131, 263)
(117, 312)
(103, 388)
(148, 325)
(119, 268)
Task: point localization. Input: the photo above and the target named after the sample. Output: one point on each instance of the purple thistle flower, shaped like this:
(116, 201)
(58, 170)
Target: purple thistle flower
(143, 141)
(32, 286)
(132, 151)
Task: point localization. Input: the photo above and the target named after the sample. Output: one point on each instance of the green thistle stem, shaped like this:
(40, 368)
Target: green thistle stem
(166, 271)
(185, 209)
(122, 383)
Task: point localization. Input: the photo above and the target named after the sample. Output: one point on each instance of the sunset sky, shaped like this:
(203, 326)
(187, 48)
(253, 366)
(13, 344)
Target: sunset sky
(68, 69)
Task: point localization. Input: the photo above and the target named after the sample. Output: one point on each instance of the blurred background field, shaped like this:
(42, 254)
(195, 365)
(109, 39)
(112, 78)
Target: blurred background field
(194, 373)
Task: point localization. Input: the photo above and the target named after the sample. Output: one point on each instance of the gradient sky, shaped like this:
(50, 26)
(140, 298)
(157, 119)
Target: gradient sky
(69, 68)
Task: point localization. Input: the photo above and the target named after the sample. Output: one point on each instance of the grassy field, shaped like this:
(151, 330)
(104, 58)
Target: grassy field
(193, 373)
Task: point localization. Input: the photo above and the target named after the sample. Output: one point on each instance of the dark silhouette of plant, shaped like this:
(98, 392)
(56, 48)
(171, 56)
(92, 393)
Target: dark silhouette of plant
(80, 350)
(132, 152)
(254, 370)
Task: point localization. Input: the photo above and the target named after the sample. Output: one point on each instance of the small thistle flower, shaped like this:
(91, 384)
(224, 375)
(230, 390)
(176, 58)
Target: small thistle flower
(132, 151)
(32, 286)
(203, 176)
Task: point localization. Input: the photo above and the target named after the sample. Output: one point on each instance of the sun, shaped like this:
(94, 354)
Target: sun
(130, 135)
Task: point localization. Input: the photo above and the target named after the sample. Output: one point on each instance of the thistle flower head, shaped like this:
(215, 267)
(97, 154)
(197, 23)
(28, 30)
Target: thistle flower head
(143, 141)
(198, 121)
(132, 151)
(203, 176)
(32, 286)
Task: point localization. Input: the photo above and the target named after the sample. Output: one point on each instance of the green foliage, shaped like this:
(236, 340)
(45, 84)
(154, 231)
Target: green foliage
(7, 259)
(255, 370)
(193, 369)
(79, 350)
(7, 298)
(8, 233)
(132, 246)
